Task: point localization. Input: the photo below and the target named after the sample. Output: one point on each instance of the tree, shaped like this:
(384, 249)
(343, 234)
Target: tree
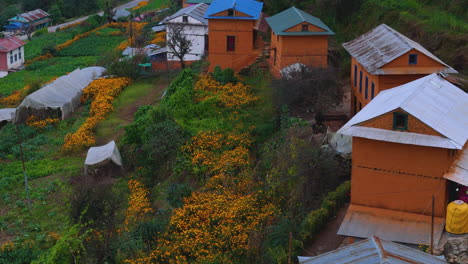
(315, 89)
(178, 42)
(56, 14)
(107, 6)
(9, 12)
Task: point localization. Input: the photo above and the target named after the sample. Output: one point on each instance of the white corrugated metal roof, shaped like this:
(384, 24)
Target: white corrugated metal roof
(373, 251)
(382, 45)
(196, 11)
(431, 99)
(458, 171)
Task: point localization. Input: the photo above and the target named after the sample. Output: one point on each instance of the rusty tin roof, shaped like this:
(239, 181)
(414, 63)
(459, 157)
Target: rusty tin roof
(382, 45)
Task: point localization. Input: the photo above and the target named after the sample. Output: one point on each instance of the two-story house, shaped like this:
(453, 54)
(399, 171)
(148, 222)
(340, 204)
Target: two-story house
(11, 55)
(232, 30)
(407, 144)
(191, 25)
(36, 19)
(383, 58)
(297, 37)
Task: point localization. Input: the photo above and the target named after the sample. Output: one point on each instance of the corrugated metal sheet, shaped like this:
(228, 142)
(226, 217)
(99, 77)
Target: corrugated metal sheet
(382, 45)
(458, 172)
(373, 251)
(431, 99)
(251, 8)
(11, 43)
(32, 15)
(196, 11)
(398, 226)
(293, 16)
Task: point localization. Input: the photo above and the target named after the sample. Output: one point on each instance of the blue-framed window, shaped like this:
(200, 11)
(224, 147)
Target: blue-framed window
(367, 88)
(372, 91)
(355, 75)
(400, 121)
(360, 81)
(413, 59)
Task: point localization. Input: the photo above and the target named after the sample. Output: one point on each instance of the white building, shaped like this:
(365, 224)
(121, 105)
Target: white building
(11, 55)
(195, 28)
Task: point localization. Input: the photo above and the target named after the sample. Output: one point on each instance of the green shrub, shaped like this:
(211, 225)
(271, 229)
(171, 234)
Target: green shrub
(41, 32)
(176, 192)
(315, 220)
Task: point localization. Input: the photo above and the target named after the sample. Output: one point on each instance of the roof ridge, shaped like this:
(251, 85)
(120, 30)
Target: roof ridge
(300, 15)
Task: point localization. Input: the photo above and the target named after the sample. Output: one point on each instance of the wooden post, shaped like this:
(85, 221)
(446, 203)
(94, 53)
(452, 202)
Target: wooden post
(289, 247)
(432, 227)
(26, 184)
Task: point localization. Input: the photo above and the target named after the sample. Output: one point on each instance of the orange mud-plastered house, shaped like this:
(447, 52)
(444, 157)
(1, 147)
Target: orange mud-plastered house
(297, 37)
(232, 33)
(383, 58)
(408, 145)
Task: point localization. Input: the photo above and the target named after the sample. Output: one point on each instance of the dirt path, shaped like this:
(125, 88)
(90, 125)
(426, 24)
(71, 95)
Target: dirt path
(127, 113)
(327, 240)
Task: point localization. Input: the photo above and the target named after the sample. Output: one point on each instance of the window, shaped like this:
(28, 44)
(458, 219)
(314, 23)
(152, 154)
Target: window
(413, 59)
(372, 91)
(185, 19)
(400, 121)
(360, 81)
(11, 59)
(16, 57)
(231, 12)
(355, 75)
(277, 38)
(367, 88)
(19, 54)
(305, 27)
(231, 43)
(360, 106)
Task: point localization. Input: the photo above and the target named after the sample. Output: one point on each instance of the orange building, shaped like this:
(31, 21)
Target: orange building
(297, 37)
(406, 144)
(383, 58)
(233, 41)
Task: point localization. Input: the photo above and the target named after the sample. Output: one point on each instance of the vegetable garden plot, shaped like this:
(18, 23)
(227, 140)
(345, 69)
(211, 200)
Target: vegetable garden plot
(92, 46)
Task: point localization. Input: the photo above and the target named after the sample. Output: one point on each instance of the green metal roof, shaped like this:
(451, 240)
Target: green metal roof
(199, 1)
(293, 16)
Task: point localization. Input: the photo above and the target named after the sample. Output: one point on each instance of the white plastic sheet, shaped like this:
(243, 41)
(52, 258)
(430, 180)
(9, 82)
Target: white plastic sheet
(100, 154)
(7, 114)
(63, 93)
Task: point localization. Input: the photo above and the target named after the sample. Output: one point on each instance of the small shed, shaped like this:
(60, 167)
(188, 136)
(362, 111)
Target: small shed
(103, 160)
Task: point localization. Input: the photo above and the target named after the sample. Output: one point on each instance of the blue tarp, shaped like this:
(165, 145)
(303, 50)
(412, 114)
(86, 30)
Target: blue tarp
(15, 25)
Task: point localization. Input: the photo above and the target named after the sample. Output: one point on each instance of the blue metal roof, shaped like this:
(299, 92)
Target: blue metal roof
(14, 25)
(251, 8)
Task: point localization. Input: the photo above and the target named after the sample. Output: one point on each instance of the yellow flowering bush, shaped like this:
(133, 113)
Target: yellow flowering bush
(37, 123)
(139, 206)
(230, 95)
(140, 5)
(102, 92)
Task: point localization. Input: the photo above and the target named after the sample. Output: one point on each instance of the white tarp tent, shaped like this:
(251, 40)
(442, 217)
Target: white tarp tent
(7, 114)
(64, 93)
(100, 154)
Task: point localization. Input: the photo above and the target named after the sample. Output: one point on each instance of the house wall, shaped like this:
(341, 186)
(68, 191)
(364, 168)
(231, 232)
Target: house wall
(3, 61)
(244, 51)
(195, 32)
(298, 28)
(403, 61)
(399, 176)
(308, 50)
(414, 125)
(381, 82)
(19, 61)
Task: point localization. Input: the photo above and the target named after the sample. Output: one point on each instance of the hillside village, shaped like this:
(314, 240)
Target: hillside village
(233, 131)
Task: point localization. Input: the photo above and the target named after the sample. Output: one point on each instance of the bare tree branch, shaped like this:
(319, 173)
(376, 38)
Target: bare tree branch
(178, 42)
